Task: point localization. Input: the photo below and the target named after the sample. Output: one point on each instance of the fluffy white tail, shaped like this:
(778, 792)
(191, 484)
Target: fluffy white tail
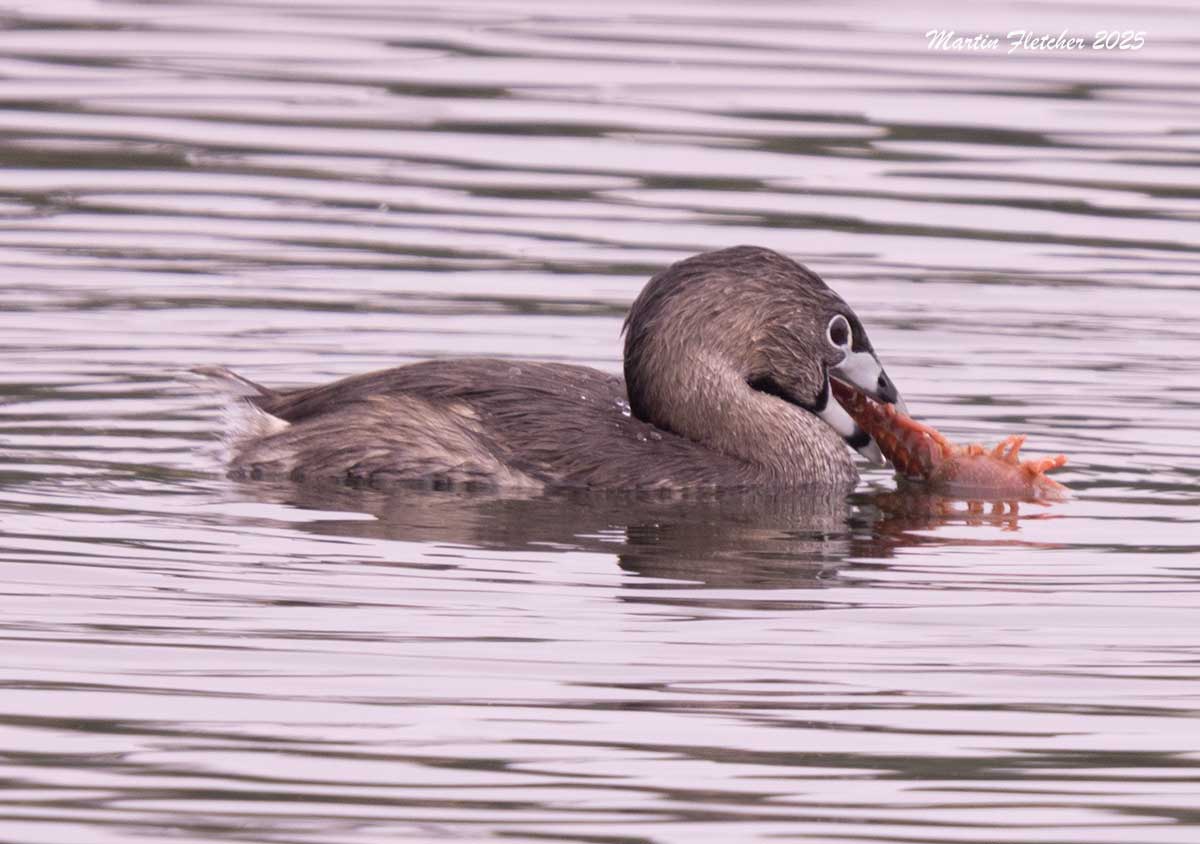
(243, 420)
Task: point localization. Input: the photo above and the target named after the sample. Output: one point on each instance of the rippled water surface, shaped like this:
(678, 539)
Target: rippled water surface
(303, 191)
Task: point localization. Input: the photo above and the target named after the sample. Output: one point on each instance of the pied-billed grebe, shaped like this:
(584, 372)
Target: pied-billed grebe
(728, 357)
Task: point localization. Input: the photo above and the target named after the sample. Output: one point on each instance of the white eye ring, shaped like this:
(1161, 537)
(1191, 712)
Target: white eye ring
(838, 332)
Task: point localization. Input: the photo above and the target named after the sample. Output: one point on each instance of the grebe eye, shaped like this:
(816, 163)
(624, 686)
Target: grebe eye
(838, 331)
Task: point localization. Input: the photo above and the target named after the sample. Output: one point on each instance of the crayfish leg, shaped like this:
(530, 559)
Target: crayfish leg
(1039, 467)
(1009, 449)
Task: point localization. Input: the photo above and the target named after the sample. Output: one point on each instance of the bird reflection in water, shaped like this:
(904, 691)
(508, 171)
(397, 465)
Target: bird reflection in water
(746, 541)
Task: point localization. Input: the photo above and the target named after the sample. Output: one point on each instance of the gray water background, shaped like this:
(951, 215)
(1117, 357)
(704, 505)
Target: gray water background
(306, 190)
